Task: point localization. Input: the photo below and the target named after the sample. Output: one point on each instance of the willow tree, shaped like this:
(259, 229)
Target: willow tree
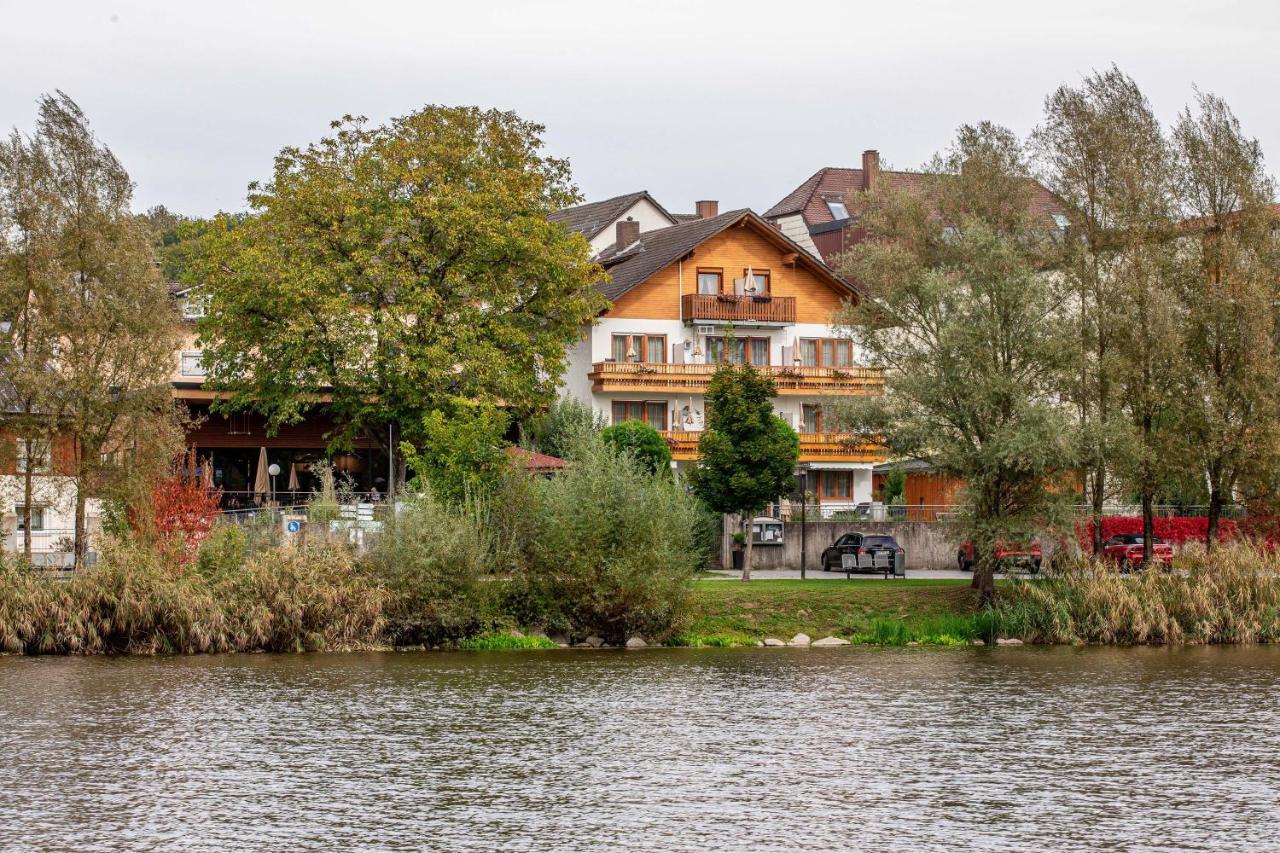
(1227, 255)
(396, 271)
(969, 331)
(100, 317)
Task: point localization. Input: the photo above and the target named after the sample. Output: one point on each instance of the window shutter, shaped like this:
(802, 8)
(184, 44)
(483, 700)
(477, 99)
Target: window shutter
(677, 353)
(787, 357)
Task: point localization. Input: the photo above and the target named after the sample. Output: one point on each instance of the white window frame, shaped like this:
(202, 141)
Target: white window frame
(195, 306)
(20, 511)
(199, 369)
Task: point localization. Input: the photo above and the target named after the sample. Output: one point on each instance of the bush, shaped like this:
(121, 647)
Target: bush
(564, 426)
(606, 547)
(643, 442)
(430, 559)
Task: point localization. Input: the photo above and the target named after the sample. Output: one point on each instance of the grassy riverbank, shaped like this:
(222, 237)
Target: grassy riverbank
(929, 612)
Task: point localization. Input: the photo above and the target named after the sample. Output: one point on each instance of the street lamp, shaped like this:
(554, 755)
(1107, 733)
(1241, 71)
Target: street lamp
(273, 469)
(802, 480)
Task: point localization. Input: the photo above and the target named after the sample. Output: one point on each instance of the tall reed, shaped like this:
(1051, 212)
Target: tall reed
(1229, 596)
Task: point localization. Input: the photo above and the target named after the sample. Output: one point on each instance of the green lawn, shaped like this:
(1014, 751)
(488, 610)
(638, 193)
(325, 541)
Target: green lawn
(938, 612)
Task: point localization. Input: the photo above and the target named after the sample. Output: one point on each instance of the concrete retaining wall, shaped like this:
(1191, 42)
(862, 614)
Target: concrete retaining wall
(927, 545)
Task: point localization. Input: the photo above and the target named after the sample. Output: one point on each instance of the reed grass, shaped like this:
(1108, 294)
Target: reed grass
(1229, 596)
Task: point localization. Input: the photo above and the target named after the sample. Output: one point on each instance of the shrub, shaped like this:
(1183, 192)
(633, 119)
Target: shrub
(642, 441)
(223, 552)
(458, 452)
(502, 641)
(184, 512)
(563, 427)
(431, 558)
(606, 547)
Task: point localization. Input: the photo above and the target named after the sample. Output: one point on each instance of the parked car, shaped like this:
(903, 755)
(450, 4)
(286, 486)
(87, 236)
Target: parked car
(870, 552)
(1020, 553)
(1125, 550)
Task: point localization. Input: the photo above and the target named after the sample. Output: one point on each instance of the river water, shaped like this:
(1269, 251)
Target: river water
(844, 748)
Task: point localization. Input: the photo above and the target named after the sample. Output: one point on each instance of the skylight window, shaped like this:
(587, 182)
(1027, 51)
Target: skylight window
(837, 209)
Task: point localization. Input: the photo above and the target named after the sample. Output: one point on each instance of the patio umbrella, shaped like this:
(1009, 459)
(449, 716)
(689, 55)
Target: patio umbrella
(262, 481)
(293, 476)
(207, 474)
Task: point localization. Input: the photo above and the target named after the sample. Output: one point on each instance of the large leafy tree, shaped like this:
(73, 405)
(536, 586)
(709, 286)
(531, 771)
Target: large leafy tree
(969, 330)
(100, 328)
(397, 270)
(1228, 411)
(748, 454)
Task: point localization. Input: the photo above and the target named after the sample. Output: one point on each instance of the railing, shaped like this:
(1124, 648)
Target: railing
(814, 447)
(747, 309)
(640, 377)
(50, 547)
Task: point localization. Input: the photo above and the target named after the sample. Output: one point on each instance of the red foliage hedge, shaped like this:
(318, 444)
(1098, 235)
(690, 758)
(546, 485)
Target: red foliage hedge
(1180, 530)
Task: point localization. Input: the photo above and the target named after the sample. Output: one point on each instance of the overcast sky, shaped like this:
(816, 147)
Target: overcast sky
(737, 101)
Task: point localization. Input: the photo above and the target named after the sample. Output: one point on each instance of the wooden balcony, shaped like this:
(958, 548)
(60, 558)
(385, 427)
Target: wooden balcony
(814, 447)
(777, 311)
(632, 377)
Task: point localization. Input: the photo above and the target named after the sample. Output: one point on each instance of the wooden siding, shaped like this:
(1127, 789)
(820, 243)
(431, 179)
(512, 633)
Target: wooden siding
(219, 431)
(733, 249)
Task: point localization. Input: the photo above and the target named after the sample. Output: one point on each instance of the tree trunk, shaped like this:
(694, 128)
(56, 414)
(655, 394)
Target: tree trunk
(1215, 516)
(28, 499)
(1148, 525)
(746, 556)
(1098, 496)
(984, 577)
(80, 544)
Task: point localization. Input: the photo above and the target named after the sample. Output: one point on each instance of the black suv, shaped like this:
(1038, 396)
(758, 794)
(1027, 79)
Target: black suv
(870, 552)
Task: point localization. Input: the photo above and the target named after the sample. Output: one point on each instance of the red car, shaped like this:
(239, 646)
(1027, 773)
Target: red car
(1024, 553)
(1125, 551)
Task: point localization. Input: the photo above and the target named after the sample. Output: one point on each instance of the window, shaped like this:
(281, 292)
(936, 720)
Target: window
(740, 350)
(826, 352)
(33, 456)
(37, 517)
(710, 282)
(195, 306)
(837, 209)
(651, 349)
(192, 364)
(652, 412)
(810, 418)
(1061, 221)
(758, 285)
(836, 484)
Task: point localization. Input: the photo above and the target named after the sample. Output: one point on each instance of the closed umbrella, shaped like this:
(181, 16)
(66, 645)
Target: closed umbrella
(262, 481)
(207, 474)
(293, 476)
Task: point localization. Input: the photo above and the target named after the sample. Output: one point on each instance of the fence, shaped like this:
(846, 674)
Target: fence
(51, 547)
(846, 512)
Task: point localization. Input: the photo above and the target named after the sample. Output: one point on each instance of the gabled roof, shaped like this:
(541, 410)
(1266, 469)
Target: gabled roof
(592, 218)
(658, 249)
(833, 183)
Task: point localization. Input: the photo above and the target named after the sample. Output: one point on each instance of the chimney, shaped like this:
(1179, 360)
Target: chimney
(870, 169)
(628, 232)
(707, 209)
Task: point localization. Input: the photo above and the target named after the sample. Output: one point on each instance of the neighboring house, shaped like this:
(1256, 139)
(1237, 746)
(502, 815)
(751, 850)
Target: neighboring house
(927, 494)
(596, 220)
(234, 446)
(822, 213)
(50, 520)
(676, 290)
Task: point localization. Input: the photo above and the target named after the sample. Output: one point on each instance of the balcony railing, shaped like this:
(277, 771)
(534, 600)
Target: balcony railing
(740, 309)
(627, 376)
(814, 447)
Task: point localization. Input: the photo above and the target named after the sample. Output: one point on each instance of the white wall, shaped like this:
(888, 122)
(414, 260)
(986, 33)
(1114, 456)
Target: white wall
(644, 212)
(793, 226)
(57, 496)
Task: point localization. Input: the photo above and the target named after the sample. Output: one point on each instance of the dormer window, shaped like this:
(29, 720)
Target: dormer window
(837, 208)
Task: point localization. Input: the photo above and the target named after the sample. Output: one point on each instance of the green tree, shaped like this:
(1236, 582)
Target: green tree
(748, 454)
(386, 270)
(643, 442)
(460, 454)
(110, 326)
(1228, 410)
(968, 330)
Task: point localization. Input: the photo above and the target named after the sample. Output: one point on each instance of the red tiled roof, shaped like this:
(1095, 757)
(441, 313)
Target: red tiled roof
(534, 461)
(834, 183)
